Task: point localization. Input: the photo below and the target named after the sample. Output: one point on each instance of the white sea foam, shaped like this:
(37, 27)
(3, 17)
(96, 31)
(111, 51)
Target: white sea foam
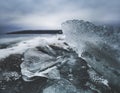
(23, 45)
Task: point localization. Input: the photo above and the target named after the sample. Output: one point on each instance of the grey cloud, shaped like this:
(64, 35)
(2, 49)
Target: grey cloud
(46, 13)
(7, 28)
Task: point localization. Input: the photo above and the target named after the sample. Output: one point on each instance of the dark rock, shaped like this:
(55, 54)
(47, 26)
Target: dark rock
(11, 63)
(20, 86)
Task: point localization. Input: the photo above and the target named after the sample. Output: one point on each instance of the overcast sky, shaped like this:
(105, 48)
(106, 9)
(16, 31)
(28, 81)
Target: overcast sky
(49, 14)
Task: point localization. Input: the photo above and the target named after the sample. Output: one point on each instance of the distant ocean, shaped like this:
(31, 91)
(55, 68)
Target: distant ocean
(25, 35)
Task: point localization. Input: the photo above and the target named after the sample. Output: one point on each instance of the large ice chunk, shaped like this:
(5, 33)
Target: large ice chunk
(98, 45)
(44, 60)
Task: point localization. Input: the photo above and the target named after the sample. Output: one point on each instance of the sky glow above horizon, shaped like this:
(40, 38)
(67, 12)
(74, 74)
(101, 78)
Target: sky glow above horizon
(49, 14)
